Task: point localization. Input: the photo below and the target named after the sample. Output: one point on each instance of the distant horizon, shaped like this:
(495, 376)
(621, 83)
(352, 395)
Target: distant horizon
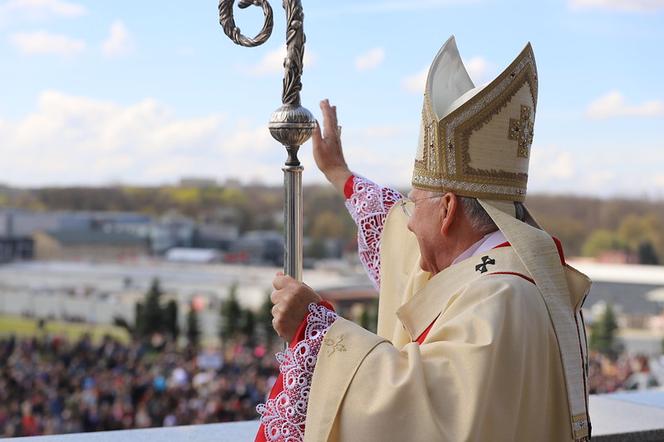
(224, 182)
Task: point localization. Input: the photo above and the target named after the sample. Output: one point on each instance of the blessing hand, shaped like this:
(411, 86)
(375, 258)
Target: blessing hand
(328, 154)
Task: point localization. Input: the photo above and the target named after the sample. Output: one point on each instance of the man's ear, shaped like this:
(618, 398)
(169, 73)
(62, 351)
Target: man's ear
(448, 210)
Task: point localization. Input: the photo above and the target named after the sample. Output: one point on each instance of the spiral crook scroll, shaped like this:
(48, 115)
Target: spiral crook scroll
(291, 124)
(227, 22)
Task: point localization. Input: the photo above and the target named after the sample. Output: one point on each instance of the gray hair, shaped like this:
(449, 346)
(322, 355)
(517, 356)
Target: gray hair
(479, 219)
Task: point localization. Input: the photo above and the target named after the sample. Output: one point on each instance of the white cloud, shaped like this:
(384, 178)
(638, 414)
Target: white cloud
(613, 105)
(619, 5)
(416, 82)
(39, 10)
(119, 41)
(77, 140)
(370, 59)
(549, 164)
(273, 62)
(42, 42)
(391, 6)
(479, 69)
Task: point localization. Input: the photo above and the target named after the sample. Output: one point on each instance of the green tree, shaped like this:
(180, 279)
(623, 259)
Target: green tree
(327, 225)
(248, 323)
(193, 327)
(152, 311)
(316, 249)
(647, 254)
(603, 332)
(369, 316)
(264, 318)
(139, 327)
(153, 317)
(171, 318)
(230, 314)
(602, 241)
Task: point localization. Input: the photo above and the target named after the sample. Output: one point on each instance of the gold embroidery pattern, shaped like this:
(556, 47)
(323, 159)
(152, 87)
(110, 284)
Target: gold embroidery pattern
(521, 130)
(334, 346)
(448, 142)
(580, 427)
(483, 116)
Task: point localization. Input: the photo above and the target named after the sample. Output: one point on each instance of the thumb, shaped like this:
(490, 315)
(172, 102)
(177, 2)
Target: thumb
(316, 136)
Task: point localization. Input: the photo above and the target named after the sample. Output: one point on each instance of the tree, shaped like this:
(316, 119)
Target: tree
(602, 241)
(153, 317)
(603, 331)
(264, 318)
(152, 311)
(171, 319)
(248, 323)
(647, 254)
(193, 327)
(230, 314)
(369, 316)
(327, 225)
(316, 249)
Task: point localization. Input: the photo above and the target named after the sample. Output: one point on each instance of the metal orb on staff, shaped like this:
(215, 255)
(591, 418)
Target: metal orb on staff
(291, 124)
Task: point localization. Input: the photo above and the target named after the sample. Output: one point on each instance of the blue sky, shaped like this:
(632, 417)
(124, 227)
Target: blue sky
(146, 92)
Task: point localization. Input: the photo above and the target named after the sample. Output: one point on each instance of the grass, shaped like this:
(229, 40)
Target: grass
(28, 327)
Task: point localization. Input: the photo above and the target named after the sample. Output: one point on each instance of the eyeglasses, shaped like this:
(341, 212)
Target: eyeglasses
(408, 205)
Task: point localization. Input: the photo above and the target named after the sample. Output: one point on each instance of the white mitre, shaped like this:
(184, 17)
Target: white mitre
(475, 141)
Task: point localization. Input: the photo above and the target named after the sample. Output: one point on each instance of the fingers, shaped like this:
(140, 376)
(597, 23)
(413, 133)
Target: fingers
(329, 119)
(280, 281)
(317, 136)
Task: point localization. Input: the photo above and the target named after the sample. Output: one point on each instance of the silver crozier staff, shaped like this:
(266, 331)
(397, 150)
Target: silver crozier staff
(291, 124)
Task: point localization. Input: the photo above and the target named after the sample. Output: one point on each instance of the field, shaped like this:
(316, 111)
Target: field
(26, 327)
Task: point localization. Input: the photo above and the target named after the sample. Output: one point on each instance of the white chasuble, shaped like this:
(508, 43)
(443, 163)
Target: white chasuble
(489, 368)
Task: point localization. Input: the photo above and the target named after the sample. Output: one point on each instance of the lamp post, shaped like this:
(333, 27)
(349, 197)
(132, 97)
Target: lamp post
(291, 124)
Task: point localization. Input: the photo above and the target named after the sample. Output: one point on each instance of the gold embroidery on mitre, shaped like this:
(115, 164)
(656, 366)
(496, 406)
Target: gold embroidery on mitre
(521, 130)
(445, 164)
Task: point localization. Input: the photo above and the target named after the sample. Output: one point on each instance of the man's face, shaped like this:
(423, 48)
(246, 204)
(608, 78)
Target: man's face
(426, 223)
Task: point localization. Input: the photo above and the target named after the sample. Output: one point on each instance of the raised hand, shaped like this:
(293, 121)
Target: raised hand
(328, 154)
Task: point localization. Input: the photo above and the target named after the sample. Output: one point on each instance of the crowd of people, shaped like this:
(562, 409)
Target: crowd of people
(49, 385)
(624, 372)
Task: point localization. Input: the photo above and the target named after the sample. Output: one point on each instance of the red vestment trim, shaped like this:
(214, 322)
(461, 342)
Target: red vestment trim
(348, 187)
(278, 386)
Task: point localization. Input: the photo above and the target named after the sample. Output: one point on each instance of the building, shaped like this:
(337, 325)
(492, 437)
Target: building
(16, 249)
(88, 245)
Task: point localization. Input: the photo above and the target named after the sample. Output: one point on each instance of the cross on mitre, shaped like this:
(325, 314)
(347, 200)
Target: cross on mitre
(521, 130)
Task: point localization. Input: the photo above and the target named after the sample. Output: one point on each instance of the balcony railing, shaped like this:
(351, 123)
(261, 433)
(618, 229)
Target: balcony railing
(633, 416)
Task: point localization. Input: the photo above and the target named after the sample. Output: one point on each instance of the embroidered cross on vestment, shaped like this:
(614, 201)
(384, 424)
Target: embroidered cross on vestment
(486, 261)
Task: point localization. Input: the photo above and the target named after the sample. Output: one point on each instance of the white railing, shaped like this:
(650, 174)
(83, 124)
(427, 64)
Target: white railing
(633, 416)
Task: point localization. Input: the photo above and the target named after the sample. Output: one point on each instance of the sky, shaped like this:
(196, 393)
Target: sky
(146, 92)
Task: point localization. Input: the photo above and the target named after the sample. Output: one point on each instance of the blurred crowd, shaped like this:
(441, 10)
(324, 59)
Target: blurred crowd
(49, 385)
(624, 372)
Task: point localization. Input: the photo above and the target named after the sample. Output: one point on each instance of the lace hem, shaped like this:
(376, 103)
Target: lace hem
(283, 417)
(368, 206)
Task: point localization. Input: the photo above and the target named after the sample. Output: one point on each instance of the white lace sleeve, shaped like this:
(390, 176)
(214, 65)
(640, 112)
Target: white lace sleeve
(368, 206)
(283, 417)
